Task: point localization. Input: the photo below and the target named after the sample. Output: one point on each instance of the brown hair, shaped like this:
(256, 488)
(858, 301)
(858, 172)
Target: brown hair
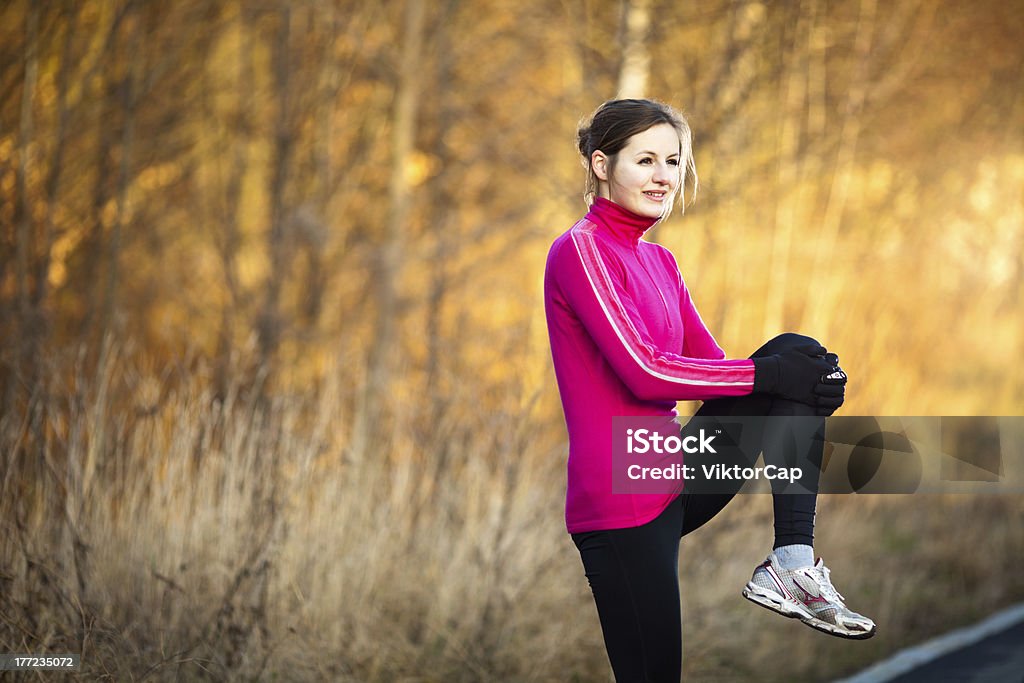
(611, 126)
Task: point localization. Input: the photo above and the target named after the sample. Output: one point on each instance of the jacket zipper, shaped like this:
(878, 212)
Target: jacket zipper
(664, 304)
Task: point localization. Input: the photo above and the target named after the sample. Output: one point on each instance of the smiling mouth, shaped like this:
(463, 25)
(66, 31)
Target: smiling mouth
(655, 195)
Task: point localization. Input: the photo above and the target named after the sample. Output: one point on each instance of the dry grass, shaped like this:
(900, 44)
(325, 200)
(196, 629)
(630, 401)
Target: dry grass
(170, 533)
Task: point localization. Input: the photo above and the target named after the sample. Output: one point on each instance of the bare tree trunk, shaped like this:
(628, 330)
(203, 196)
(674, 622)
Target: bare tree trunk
(733, 75)
(790, 122)
(818, 314)
(313, 223)
(129, 102)
(388, 265)
(36, 328)
(101, 73)
(230, 238)
(580, 79)
(23, 217)
(817, 102)
(270, 322)
(25, 135)
(18, 398)
(56, 165)
(1015, 142)
(442, 205)
(732, 139)
(636, 58)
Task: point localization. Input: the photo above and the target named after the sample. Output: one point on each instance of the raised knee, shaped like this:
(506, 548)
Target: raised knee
(791, 339)
(784, 342)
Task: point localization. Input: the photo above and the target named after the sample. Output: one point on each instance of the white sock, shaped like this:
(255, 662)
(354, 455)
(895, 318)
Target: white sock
(793, 556)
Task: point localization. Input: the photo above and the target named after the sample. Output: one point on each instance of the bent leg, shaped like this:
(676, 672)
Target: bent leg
(783, 443)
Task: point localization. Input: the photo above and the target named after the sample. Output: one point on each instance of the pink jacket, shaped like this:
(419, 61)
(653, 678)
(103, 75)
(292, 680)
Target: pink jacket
(626, 339)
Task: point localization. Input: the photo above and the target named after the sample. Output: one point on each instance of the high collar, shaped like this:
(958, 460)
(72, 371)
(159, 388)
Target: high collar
(622, 223)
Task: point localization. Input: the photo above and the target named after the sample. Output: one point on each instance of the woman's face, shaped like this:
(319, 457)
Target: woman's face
(645, 174)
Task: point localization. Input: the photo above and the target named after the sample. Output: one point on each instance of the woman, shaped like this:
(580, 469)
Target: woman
(626, 340)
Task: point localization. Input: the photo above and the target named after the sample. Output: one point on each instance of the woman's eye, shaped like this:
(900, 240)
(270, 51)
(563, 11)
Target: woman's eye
(646, 160)
(673, 162)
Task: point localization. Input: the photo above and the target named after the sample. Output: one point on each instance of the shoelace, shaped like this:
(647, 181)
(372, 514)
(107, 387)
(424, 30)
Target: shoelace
(821, 576)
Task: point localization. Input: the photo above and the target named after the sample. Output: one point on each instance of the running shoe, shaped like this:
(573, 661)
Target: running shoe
(806, 594)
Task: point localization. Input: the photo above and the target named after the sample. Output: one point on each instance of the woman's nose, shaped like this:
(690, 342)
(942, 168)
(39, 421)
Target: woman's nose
(662, 174)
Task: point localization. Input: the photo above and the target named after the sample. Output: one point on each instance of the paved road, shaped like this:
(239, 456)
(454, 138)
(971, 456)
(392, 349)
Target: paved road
(996, 659)
(989, 652)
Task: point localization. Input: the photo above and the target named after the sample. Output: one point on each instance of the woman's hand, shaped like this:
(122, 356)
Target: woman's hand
(831, 390)
(808, 374)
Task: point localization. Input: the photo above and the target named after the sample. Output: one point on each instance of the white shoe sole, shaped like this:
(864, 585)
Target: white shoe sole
(794, 610)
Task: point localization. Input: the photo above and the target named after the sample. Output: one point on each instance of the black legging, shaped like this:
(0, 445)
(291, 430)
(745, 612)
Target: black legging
(634, 573)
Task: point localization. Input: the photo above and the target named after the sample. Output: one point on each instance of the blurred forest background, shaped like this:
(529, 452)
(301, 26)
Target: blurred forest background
(276, 393)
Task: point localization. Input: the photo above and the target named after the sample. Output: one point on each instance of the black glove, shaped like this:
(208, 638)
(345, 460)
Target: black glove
(831, 390)
(793, 374)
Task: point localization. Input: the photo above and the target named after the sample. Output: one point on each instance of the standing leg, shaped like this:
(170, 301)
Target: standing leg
(634, 576)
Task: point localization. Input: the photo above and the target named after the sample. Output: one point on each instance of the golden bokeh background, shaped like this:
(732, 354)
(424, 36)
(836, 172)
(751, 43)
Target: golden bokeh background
(276, 393)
